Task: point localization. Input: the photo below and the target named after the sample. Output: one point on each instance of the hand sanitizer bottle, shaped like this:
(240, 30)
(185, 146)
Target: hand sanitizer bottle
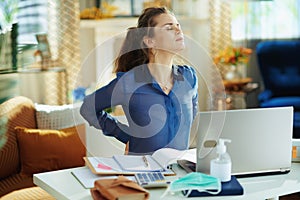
(221, 166)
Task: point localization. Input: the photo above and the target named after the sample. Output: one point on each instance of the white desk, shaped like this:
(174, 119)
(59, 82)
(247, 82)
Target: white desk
(62, 185)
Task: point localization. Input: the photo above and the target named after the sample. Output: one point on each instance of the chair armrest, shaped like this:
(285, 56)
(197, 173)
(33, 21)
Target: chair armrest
(265, 95)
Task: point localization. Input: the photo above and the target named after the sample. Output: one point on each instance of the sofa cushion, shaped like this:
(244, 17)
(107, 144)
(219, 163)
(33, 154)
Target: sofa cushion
(15, 182)
(58, 117)
(44, 150)
(32, 193)
(18, 111)
(282, 101)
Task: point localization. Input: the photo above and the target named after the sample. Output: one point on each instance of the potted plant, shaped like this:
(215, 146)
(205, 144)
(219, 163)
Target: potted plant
(8, 12)
(233, 57)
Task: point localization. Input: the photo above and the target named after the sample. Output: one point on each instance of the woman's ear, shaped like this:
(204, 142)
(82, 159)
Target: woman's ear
(149, 42)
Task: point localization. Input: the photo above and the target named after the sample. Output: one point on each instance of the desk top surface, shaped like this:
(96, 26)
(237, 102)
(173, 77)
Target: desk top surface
(63, 185)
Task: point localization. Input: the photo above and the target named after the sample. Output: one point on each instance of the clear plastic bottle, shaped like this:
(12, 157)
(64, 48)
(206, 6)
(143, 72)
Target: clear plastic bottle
(221, 166)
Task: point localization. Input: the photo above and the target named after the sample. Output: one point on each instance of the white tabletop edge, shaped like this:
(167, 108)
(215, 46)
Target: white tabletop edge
(63, 185)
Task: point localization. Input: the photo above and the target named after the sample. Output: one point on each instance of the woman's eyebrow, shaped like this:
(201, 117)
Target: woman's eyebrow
(170, 23)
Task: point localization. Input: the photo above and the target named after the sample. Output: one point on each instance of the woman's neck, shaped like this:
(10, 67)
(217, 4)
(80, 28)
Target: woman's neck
(160, 67)
(161, 72)
(162, 59)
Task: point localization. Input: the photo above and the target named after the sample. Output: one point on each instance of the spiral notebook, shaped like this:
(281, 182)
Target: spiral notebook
(161, 161)
(138, 163)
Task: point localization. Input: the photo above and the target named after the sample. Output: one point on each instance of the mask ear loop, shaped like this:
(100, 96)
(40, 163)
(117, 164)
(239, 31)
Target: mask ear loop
(214, 192)
(190, 191)
(207, 191)
(165, 193)
(219, 188)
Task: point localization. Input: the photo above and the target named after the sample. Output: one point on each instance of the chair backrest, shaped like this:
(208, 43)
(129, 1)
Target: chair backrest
(279, 63)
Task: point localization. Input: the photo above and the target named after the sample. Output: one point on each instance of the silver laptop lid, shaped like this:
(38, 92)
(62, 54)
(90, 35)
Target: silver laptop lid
(261, 139)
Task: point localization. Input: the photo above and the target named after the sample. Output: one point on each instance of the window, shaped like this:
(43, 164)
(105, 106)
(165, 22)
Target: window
(32, 19)
(265, 19)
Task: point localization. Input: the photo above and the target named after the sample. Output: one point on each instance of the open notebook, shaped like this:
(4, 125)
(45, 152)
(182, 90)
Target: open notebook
(160, 160)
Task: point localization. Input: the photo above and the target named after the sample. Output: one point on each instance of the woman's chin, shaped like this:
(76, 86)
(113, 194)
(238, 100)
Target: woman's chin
(179, 49)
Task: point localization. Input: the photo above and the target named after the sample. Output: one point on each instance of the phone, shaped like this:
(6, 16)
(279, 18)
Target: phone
(188, 166)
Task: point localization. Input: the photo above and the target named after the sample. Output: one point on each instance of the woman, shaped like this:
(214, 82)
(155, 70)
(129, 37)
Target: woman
(159, 99)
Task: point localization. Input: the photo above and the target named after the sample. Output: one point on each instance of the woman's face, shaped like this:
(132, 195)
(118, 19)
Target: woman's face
(168, 35)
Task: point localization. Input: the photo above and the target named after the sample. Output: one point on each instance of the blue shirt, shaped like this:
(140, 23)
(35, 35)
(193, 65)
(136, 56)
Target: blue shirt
(155, 119)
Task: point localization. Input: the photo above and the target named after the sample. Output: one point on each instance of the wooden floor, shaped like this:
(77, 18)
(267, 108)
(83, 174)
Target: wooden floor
(295, 196)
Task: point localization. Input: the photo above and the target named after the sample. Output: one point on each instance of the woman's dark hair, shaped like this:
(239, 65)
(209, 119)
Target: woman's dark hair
(134, 52)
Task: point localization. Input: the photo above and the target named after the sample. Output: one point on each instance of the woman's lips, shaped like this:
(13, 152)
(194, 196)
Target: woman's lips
(179, 39)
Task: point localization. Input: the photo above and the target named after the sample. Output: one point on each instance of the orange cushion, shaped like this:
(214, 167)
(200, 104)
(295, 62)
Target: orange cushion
(32, 193)
(44, 150)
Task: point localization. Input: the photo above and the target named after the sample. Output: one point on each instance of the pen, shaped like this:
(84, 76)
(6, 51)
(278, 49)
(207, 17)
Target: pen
(145, 161)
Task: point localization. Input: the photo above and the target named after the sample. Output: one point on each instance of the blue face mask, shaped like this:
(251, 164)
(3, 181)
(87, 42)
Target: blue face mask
(195, 181)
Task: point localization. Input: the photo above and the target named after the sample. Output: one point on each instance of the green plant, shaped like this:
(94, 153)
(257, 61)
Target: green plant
(3, 137)
(8, 12)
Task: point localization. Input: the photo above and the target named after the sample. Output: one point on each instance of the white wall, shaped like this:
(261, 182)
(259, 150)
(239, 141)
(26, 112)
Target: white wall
(100, 145)
(100, 42)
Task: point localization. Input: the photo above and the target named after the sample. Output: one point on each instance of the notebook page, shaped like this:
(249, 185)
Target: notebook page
(101, 164)
(87, 178)
(136, 163)
(167, 156)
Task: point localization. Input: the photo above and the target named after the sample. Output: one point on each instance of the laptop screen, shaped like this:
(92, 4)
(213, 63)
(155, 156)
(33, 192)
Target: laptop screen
(261, 139)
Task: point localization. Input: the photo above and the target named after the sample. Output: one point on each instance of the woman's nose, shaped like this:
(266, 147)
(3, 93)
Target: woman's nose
(177, 30)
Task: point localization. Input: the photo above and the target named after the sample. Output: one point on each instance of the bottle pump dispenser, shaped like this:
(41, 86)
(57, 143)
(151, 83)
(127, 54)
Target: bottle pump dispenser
(220, 167)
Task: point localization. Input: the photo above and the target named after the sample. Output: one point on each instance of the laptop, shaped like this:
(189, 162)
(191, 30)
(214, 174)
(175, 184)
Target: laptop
(261, 139)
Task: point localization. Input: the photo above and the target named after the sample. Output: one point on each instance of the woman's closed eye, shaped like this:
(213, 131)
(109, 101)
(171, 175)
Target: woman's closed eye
(170, 27)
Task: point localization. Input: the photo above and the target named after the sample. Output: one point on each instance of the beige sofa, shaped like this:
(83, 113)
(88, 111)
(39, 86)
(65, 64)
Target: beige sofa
(26, 149)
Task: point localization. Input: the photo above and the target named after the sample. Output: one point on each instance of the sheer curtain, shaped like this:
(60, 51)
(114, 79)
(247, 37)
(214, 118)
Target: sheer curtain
(220, 28)
(59, 19)
(276, 19)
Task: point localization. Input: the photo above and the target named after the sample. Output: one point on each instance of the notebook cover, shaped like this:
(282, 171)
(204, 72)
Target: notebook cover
(233, 187)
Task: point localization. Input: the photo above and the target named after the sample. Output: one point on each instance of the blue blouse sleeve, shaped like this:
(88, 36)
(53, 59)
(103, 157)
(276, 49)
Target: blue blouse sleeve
(195, 97)
(191, 76)
(92, 110)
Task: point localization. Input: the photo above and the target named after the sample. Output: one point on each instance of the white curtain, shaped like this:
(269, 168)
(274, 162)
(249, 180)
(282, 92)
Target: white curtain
(59, 19)
(220, 29)
(272, 19)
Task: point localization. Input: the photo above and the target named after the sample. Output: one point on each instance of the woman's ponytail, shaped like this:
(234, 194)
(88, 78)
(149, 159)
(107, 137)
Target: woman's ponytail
(133, 52)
